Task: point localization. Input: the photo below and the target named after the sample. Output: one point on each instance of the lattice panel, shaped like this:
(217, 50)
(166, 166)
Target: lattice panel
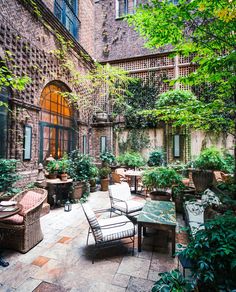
(186, 60)
(184, 71)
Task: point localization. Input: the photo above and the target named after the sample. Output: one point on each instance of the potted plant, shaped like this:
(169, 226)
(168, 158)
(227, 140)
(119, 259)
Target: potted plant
(80, 169)
(171, 281)
(156, 158)
(131, 159)
(8, 176)
(63, 165)
(159, 181)
(107, 158)
(104, 176)
(52, 169)
(209, 160)
(93, 178)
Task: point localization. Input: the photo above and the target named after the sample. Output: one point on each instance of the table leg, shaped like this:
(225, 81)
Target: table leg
(173, 241)
(139, 237)
(135, 185)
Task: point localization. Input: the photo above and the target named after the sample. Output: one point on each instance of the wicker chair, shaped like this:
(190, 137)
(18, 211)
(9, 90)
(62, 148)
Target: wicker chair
(22, 231)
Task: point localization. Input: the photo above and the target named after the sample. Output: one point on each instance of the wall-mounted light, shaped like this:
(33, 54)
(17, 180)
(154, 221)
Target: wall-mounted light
(176, 145)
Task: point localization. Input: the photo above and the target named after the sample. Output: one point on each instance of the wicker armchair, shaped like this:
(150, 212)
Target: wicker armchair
(22, 231)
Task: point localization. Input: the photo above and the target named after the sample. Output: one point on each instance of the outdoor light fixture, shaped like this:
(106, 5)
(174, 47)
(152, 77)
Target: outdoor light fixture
(68, 206)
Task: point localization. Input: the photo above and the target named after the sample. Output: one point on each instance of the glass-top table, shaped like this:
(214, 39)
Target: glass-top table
(159, 215)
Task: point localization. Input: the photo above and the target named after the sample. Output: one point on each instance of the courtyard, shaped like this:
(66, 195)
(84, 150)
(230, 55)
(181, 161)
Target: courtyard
(62, 262)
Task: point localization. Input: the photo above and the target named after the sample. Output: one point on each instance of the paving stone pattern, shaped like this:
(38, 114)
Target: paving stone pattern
(62, 262)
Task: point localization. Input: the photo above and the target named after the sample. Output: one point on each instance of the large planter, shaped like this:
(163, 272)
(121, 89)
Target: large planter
(202, 179)
(104, 184)
(160, 196)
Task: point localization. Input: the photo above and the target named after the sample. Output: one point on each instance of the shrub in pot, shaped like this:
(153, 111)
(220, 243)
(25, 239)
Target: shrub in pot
(131, 159)
(159, 182)
(210, 159)
(104, 176)
(81, 169)
(93, 178)
(107, 158)
(156, 158)
(52, 169)
(63, 165)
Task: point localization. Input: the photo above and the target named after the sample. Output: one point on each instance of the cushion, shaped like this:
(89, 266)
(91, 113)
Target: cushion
(121, 191)
(14, 219)
(195, 215)
(132, 205)
(122, 227)
(209, 198)
(93, 222)
(29, 200)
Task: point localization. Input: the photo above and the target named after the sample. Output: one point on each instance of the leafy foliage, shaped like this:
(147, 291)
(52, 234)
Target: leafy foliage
(104, 172)
(8, 174)
(211, 158)
(174, 97)
(204, 31)
(156, 158)
(81, 166)
(131, 159)
(52, 166)
(171, 281)
(137, 140)
(213, 252)
(107, 158)
(161, 177)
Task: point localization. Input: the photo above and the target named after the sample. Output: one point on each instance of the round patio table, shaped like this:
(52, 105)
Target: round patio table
(136, 174)
(7, 211)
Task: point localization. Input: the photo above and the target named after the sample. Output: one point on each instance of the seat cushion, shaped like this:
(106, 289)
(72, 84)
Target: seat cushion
(129, 206)
(195, 215)
(121, 227)
(29, 200)
(209, 198)
(14, 219)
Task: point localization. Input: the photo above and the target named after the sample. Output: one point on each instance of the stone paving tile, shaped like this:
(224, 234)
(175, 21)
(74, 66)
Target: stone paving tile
(29, 285)
(133, 266)
(40, 261)
(121, 280)
(15, 275)
(65, 239)
(153, 275)
(102, 287)
(48, 287)
(5, 288)
(139, 285)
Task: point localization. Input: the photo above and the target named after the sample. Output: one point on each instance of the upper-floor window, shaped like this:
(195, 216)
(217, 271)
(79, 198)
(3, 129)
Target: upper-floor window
(124, 7)
(66, 11)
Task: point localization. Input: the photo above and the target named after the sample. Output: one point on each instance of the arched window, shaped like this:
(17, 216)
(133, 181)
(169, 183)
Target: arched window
(4, 96)
(56, 122)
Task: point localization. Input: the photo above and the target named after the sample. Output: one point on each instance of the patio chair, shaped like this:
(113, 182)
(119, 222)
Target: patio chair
(22, 231)
(122, 200)
(117, 178)
(108, 230)
(121, 172)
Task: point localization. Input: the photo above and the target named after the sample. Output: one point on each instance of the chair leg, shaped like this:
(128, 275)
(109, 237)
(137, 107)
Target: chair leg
(88, 236)
(133, 248)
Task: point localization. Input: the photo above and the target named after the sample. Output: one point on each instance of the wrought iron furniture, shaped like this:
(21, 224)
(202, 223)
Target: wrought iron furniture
(122, 200)
(22, 231)
(158, 215)
(108, 230)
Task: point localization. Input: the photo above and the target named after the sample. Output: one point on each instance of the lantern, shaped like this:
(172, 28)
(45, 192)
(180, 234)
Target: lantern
(68, 206)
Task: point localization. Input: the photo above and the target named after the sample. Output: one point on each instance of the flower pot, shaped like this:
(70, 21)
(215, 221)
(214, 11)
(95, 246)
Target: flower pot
(52, 175)
(101, 117)
(104, 184)
(160, 196)
(64, 176)
(202, 179)
(77, 190)
(93, 186)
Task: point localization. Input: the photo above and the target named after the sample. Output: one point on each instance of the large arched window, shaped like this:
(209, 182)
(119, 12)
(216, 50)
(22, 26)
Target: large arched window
(4, 96)
(56, 122)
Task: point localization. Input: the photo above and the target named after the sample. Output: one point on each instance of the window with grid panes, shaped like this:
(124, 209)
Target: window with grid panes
(56, 123)
(67, 12)
(124, 7)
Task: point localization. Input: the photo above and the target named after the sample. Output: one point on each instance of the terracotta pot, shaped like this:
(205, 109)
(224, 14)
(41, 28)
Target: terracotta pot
(202, 179)
(52, 175)
(104, 184)
(77, 190)
(160, 196)
(101, 117)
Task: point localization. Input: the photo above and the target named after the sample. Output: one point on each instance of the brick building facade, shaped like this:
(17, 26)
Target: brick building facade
(28, 40)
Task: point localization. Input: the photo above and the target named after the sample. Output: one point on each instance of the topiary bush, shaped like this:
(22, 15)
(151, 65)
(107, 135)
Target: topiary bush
(156, 158)
(131, 159)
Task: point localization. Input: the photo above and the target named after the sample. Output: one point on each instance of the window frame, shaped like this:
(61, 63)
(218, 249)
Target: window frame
(126, 9)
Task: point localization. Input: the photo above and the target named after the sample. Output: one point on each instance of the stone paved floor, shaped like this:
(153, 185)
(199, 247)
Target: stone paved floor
(62, 262)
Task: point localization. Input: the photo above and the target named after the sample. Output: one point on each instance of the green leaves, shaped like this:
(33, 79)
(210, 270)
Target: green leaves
(8, 175)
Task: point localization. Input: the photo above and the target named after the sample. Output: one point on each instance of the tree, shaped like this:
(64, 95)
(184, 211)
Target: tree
(205, 31)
